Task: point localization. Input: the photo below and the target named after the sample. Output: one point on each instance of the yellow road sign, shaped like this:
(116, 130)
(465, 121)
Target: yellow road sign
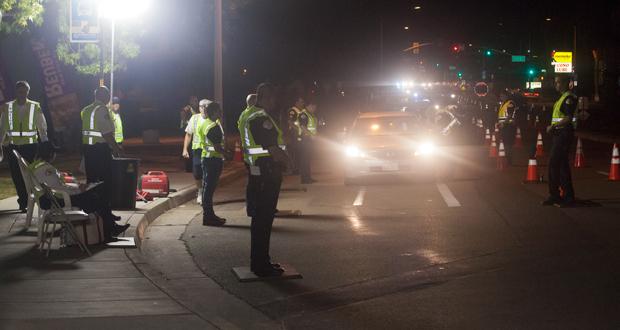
(563, 57)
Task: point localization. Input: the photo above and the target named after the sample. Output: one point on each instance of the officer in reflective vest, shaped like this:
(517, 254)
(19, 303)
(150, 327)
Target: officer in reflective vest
(118, 122)
(98, 138)
(506, 123)
(195, 153)
(308, 126)
(295, 132)
(562, 130)
(267, 161)
(211, 135)
(252, 182)
(22, 124)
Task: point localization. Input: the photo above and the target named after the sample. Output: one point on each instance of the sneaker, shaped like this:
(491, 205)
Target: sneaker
(199, 196)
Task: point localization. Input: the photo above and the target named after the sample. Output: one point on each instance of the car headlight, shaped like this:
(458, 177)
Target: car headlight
(353, 151)
(426, 148)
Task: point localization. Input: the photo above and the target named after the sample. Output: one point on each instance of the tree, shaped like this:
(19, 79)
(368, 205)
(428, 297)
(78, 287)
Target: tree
(17, 16)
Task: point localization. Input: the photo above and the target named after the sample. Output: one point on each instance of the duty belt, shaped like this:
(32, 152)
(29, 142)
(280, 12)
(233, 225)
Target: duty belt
(92, 133)
(261, 151)
(17, 134)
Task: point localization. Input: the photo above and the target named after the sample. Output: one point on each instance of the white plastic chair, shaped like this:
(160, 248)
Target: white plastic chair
(56, 215)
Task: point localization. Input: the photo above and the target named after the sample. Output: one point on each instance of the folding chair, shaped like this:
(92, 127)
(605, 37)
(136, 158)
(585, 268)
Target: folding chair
(29, 190)
(56, 215)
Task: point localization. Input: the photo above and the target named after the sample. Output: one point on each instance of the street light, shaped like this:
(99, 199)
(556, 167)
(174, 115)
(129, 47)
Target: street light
(115, 10)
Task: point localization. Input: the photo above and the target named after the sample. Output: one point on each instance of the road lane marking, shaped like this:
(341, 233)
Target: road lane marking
(359, 200)
(447, 195)
(603, 173)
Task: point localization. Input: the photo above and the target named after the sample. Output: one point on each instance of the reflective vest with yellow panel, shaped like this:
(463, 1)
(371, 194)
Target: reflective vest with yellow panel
(502, 114)
(312, 122)
(242, 132)
(208, 148)
(557, 115)
(253, 150)
(118, 127)
(90, 131)
(22, 130)
(197, 119)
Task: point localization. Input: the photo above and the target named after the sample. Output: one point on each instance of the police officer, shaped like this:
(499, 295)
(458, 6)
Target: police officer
(562, 130)
(98, 138)
(211, 135)
(267, 160)
(506, 123)
(118, 122)
(308, 127)
(295, 132)
(195, 153)
(23, 124)
(252, 180)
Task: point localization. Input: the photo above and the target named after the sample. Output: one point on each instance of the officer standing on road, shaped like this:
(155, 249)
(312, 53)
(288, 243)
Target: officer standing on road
(98, 138)
(195, 153)
(562, 129)
(243, 134)
(267, 161)
(211, 135)
(22, 121)
(295, 132)
(308, 126)
(506, 123)
(118, 122)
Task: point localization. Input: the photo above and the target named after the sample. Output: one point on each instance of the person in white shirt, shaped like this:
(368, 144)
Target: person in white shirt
(195, 153)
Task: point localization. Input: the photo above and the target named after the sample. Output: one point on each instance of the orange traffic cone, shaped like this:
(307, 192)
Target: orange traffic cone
(501, 158)
(540, 151)
(487, 138)
(518, 140)
(614, 170)
(579, 161)
(238, 157)
(493, 148)
(532, 172)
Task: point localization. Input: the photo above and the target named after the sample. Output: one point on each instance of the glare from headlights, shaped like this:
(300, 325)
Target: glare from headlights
(436, 106)
(452, 95)
(426, 148)
(353, 151)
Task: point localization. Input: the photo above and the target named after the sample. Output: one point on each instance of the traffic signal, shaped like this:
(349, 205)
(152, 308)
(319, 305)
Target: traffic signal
(531, 71)
(460, 74)
(488, 52)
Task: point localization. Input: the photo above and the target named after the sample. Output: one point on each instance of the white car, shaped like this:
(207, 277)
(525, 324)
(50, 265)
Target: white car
(389, 142)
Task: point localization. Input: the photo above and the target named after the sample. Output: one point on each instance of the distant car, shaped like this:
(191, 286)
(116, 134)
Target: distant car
(391, 142)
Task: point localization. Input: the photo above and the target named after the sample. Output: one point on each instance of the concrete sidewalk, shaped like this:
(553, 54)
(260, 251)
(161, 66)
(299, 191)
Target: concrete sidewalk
(70, 290)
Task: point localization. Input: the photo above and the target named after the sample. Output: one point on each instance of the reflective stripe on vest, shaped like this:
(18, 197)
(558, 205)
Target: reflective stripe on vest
(118, 127)
(311, 122)
(90, 132)
(209, 150)
(17, 133)
(242, 132)
(250, 147)
(557, 115)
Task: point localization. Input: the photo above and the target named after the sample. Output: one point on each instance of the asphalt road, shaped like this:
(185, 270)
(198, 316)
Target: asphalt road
(473, 251)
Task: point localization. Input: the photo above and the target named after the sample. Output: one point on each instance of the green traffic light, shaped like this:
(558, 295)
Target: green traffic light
(488, 53)
(531, 72)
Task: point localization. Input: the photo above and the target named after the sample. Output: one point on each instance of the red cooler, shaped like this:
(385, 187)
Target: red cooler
(155, 183)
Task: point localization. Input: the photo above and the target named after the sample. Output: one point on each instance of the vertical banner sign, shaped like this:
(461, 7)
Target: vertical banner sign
(62, 102)
(84, 21)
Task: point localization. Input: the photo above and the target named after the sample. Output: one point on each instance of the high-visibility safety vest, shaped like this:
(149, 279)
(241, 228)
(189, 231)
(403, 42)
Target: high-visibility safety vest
(118, 127)
(90, 132)
(242, 132)
(208, 148)
(502, 114)
(557, 115)
(312, 122)
(197, 120)
(22, 130)
(253, 150)
(296, 121)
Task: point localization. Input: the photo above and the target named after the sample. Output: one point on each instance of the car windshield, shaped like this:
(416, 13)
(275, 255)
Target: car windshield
(384, 126)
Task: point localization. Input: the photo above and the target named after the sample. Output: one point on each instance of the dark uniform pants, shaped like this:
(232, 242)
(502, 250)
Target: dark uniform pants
(507, 133)
(28, 152)
(265, 198)
(559, 165)
(212, 168)
(98, 164)
(305, 159)
(250, 191)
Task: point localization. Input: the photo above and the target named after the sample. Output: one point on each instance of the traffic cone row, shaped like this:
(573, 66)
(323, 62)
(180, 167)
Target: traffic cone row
(518, 139)
(493, 148)
(238, 157)
(579, 159)
(502, 163)
(614, 170)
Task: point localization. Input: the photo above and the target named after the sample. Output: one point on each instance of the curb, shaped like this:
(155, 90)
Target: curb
(143, 218)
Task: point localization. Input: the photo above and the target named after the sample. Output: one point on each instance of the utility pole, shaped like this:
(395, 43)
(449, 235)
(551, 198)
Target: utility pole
(217, 83)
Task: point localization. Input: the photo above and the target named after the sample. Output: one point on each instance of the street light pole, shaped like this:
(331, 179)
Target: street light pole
(217, 83)
(113, 21)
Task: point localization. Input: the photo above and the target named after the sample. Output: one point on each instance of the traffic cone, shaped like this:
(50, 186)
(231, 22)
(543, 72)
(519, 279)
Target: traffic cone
(493, 148)
(614, 170)
(487, 138)
(238, 157)
(532, 172)
(579, 161)
(518, 140)
(540, 151)
(502, 163)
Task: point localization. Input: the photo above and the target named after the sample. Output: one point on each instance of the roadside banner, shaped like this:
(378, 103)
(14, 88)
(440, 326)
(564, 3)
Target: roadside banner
(84, 21)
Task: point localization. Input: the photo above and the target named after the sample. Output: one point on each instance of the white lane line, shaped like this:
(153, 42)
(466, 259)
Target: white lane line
(359, 200)
(447, 195)
(603, 173)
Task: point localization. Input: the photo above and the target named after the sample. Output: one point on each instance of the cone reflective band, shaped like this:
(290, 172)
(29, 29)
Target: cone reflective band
(518, 141)
(579, 158)
(532, 172)
(501, 159)
(540, 151)
(614, 170)
(487, 138)
(238, 157)
(493, 148)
